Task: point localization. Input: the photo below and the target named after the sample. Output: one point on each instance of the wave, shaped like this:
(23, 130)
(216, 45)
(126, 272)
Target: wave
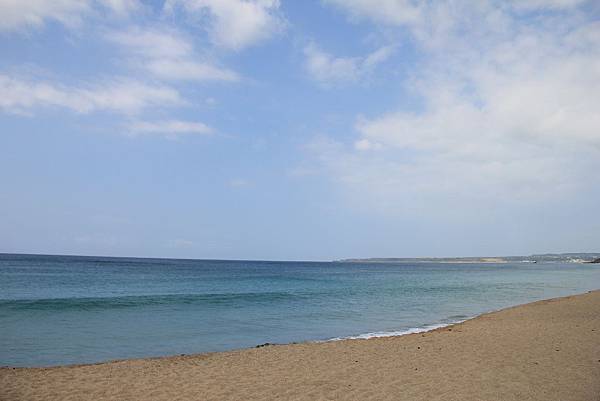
(96, 303)
(225, 299)
(395, 333)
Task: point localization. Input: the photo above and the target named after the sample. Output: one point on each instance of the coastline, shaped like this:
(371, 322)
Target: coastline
(514, 353)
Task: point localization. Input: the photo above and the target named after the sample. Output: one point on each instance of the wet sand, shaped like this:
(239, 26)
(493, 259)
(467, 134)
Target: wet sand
(547, 350)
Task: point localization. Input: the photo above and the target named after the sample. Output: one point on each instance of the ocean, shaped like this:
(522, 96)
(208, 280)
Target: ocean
(57, 310)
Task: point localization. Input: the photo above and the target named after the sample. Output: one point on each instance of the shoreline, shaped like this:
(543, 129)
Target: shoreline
(495, 352)
(426, 328)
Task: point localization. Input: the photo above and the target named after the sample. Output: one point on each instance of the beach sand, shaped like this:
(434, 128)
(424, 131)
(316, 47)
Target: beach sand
(548, 350)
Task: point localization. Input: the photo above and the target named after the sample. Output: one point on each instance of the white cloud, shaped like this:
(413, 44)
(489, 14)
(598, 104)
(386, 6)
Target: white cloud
(377, 57)
(169, 128)
(414, 13)
(122, 7)
(510, 113)
(396, 12)
(329, 70)
(365, 144)
(18, 14)
(168, 55)
(546, 4)
(152, 44)
(190, 71)
(118, 96)
(235, 24)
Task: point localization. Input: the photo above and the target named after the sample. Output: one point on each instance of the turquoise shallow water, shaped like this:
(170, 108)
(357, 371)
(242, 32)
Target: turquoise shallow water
(62, 310)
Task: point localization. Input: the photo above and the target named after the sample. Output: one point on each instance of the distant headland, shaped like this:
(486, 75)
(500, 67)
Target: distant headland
(546, 257)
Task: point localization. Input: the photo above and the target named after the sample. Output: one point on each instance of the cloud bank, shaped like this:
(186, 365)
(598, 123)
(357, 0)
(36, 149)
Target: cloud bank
(510, 109)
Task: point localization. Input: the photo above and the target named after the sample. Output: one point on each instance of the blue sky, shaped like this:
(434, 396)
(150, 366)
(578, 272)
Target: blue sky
(308, 130)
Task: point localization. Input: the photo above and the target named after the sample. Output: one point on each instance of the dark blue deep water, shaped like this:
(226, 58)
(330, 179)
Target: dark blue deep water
(65, 309)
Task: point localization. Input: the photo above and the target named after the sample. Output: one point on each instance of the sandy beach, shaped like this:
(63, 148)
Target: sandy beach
(548, 350)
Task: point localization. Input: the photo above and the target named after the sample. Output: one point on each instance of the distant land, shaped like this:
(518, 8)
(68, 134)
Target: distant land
(546, 257)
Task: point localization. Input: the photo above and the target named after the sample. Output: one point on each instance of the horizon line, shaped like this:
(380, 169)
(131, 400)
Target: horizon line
(342, 260)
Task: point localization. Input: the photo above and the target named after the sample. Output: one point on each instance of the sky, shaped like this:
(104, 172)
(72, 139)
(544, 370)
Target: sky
(299, 130)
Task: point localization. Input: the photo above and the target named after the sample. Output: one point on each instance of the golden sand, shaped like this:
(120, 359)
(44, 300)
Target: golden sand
(548, 350)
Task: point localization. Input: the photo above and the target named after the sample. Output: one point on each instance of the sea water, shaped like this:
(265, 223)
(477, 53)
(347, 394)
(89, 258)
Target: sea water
(65, 309)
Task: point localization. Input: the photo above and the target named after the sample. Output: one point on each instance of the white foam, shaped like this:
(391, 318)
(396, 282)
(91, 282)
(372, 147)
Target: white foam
(395, 333)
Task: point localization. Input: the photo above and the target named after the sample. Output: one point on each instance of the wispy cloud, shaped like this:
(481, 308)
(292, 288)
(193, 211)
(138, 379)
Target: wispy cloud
(20, 15)
(169, 128)
(546, 4)
(396, 12)
(190, 71)
(122, 7)
(423, 14)
(152, 43)
(165, 54)
(121, 96)
(168, 55)
(17, 15)
(234, 24)
(330, 70)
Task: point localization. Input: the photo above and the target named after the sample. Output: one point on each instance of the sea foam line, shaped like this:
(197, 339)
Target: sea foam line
(396, 333)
